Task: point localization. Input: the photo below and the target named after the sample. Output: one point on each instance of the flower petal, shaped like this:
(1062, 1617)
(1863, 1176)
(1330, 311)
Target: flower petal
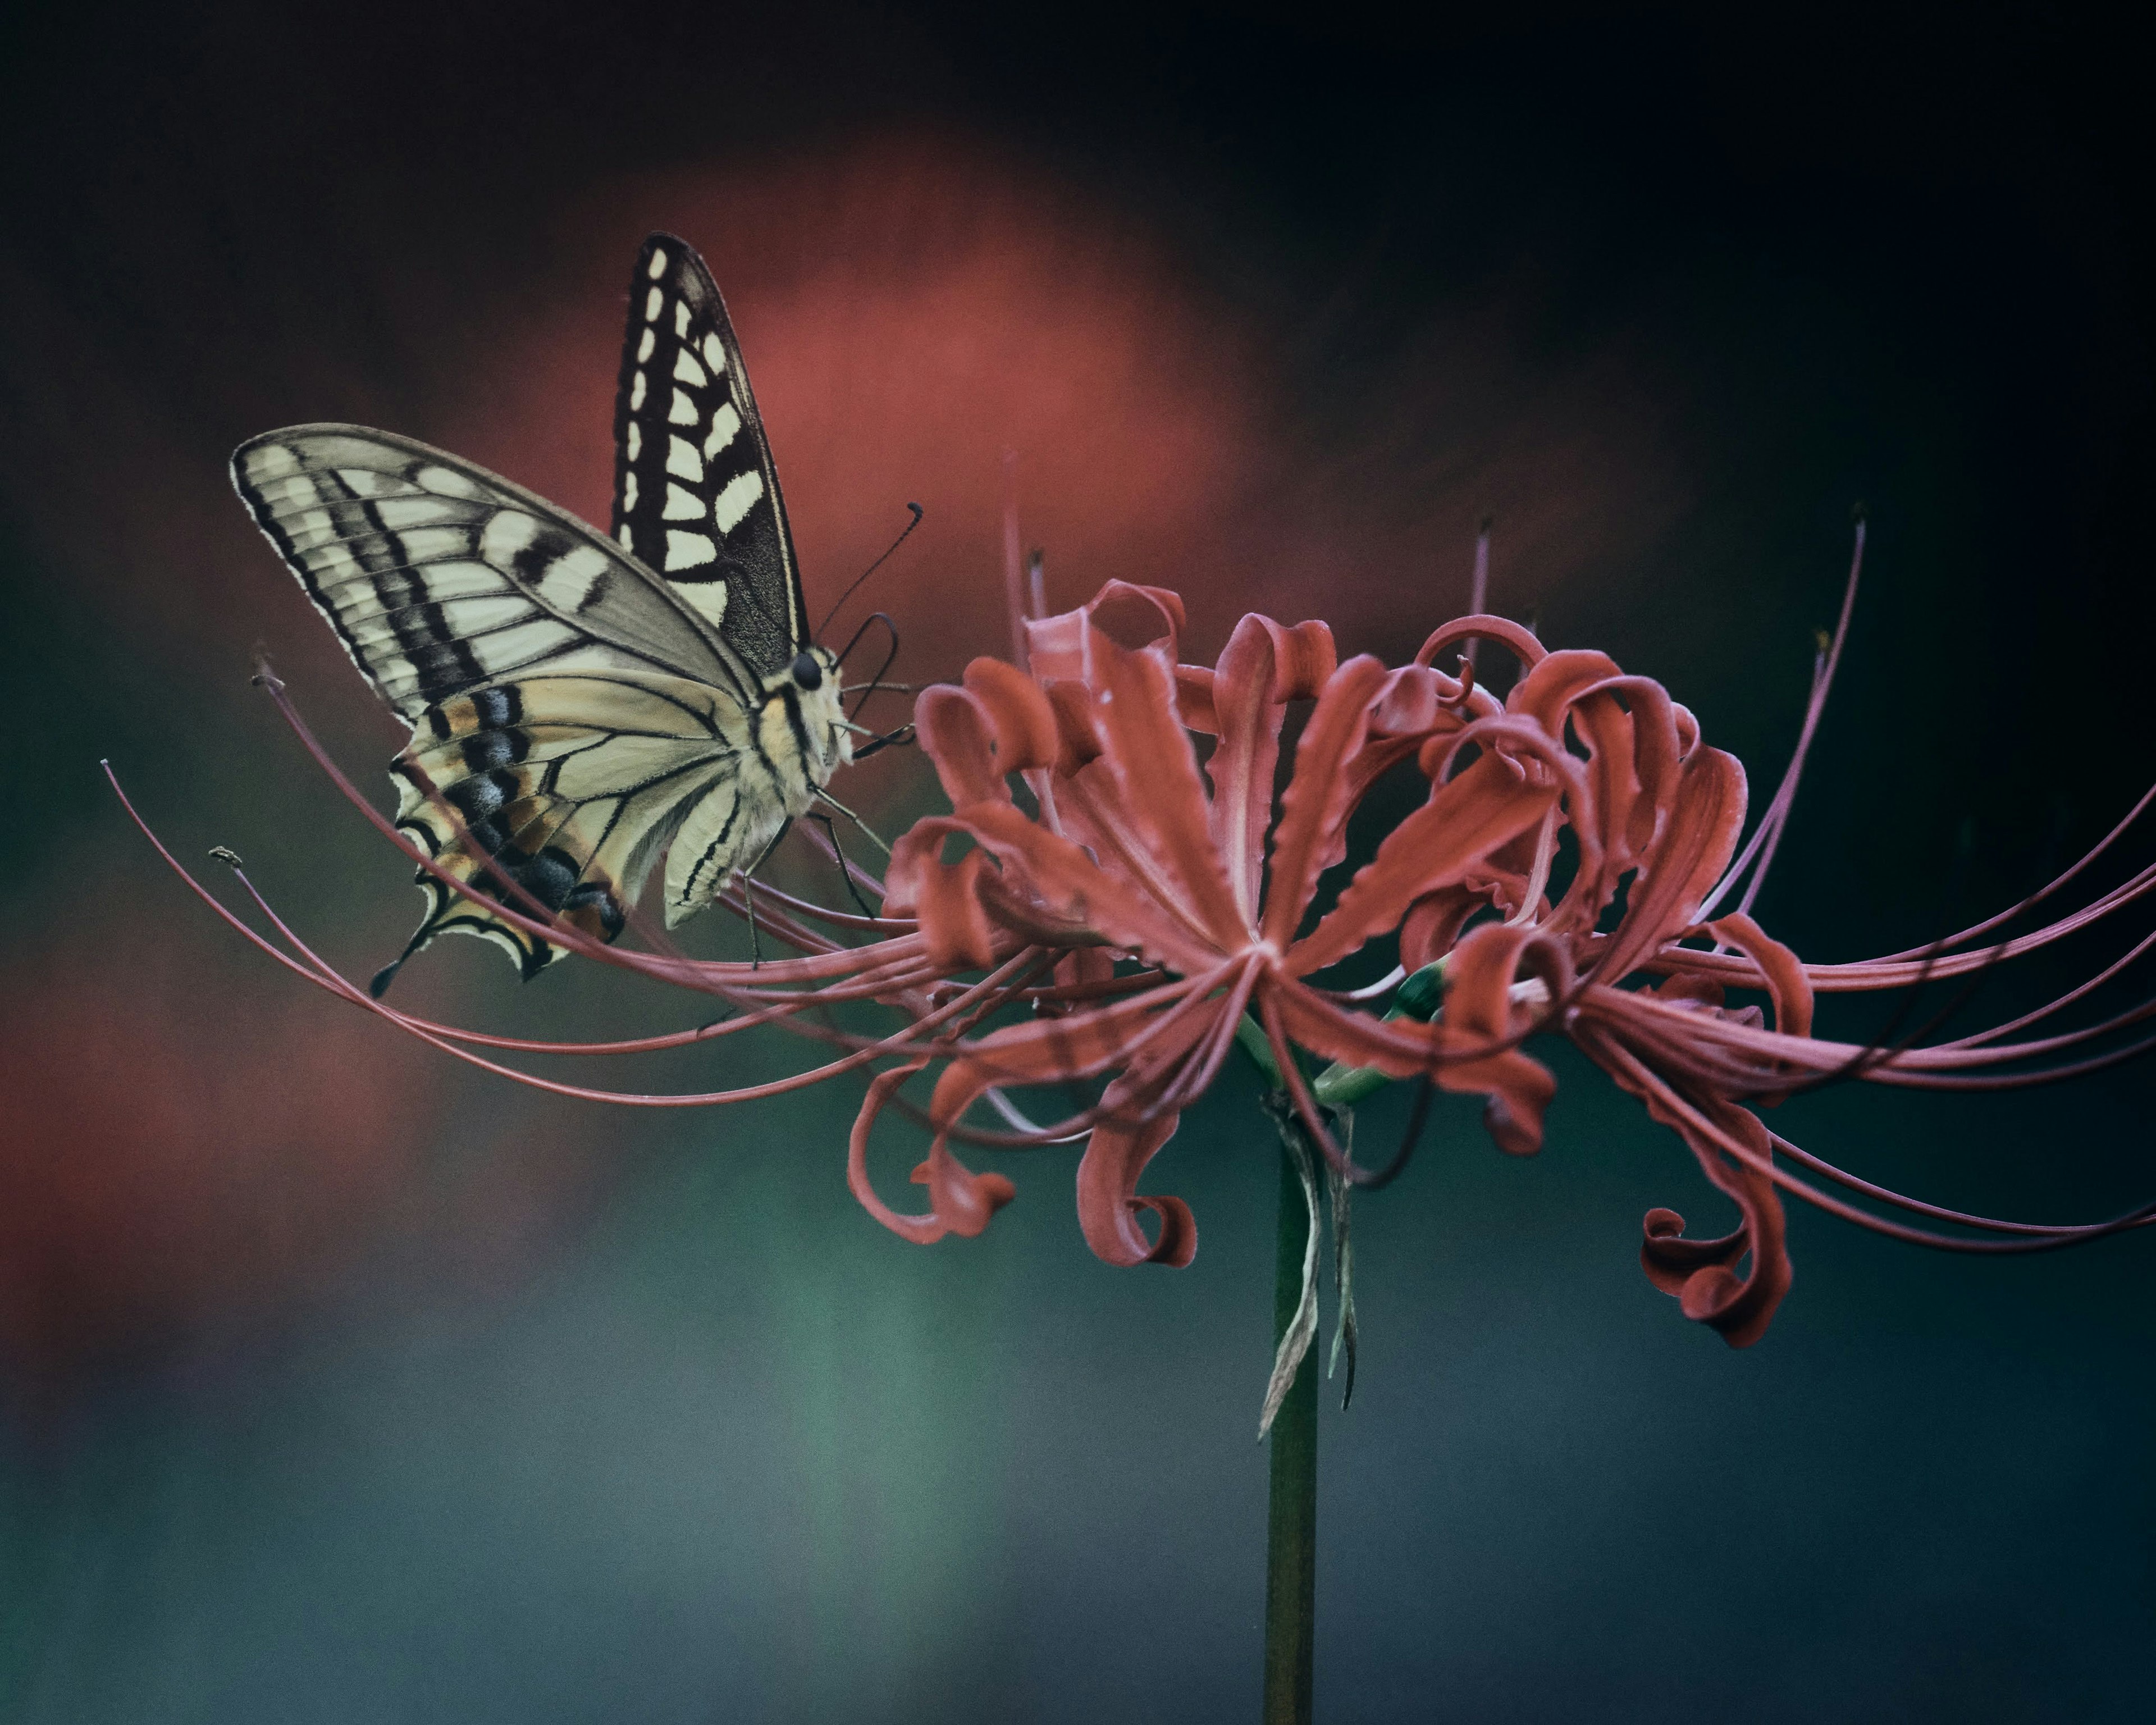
(1108, 1200)
(1696, 846)
(962, 1201)
(1264, 667)
(1141, 804)
(1517, 1088)
(1018, 710)
(958, 735)
(1699, 1272)
(1515, 638)
(1788, 986)
(1465, 819)
(1063, 645)
(1315, 800)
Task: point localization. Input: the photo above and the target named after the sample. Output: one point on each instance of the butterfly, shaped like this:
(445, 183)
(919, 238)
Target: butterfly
(578, 704)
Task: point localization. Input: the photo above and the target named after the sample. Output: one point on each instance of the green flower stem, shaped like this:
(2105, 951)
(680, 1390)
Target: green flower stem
(1420, 997)
(1291, 1513)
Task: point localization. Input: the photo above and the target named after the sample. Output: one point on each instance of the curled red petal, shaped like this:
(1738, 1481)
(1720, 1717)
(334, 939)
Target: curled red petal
(1433, 923)
(1018, 709)
(1696, 846)
(959, 736)
(1479, 977)
(1078, 737)
(919, 850)
(1788, 985)
(1732, 1149)
(1465, 819)
(1072, 889)
(1513, 636)
(1063, 645)
(1158, 805)
(1316, 801)
(964, 1202)
(952, 918)
(1194, 698)
(1671, 1260)
(1109, 1201)
(1516, 1088)
(1262, 668)
(920, 1230)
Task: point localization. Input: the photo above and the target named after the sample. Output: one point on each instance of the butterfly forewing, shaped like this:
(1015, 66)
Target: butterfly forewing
(439, 577)
(696, 494)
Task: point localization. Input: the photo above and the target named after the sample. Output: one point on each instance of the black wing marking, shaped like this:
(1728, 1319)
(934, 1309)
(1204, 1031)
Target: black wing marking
(696, 493)
(439, 577)
(569, 784)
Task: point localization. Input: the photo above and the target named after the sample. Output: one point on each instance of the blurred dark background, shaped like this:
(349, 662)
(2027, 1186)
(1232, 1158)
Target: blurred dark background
(338, 1383)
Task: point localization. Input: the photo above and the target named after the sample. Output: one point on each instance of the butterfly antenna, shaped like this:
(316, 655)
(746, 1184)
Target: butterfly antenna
(891, 657)
(903, 533)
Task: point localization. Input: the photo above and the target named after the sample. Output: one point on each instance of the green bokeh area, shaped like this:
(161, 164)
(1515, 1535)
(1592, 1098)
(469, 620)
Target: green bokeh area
(541, 1411)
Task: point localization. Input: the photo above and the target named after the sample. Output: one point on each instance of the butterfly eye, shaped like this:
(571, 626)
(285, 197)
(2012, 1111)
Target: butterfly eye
(807, 672)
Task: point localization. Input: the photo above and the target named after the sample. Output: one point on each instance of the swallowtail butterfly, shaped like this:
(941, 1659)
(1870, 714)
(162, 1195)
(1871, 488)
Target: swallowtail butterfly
(582, 703)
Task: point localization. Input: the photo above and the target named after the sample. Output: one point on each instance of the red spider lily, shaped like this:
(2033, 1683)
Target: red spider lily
(1202, 880)
(1128, 853)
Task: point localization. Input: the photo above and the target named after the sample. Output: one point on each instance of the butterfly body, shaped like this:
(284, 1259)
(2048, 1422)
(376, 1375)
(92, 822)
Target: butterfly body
(578, 708)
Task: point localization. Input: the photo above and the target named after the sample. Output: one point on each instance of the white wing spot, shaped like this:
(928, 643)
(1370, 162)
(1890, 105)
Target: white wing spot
(683, 411)
(738, 498)
(645, 346)
(687, 370)
(657, 267)
(628, 489)
(271, 461)
(447, 483)
(507, 534)
(571, 577)
(714, 352)
(430, 545)
(725, 423)
(421, 512)
(688, 551)
(520, 644)
(682, 504)
(628, 540)
(635, 439)
(654, 303)
(681, 320)
(636, 392)
(683, 461)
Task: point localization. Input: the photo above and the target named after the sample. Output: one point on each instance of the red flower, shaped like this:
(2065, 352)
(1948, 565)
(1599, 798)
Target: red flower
(1133, 851)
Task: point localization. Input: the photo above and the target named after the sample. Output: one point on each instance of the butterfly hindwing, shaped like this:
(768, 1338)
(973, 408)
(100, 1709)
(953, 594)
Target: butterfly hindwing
(438, 576)
(554, 792)
(696, 493)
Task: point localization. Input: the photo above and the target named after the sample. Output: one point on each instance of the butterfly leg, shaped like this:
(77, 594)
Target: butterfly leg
(867, 831)
(846, 870)
(748, 892)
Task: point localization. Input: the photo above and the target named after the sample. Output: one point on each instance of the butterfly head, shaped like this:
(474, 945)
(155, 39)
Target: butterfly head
(808, 690)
